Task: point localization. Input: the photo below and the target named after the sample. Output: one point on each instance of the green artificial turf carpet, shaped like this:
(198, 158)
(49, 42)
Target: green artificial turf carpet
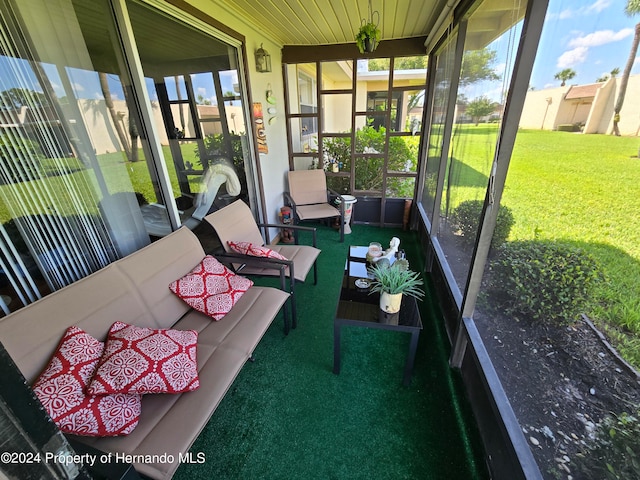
(287, 416)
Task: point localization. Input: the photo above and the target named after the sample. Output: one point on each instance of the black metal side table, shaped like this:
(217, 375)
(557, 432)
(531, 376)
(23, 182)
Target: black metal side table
(359, 309)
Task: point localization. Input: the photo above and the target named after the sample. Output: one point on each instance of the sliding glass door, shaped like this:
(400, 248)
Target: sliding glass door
(110, 135)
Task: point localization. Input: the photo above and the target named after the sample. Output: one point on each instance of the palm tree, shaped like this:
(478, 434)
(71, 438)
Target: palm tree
(632, 8)
(606, 76)
(115, 119)
(566, 74)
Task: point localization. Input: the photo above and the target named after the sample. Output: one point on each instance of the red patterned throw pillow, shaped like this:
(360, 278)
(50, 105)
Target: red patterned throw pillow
(211, 288)
(247, 248)
(144, 360)
(61, 389)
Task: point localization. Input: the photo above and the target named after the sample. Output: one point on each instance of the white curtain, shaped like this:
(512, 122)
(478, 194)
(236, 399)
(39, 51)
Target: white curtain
(71, 222)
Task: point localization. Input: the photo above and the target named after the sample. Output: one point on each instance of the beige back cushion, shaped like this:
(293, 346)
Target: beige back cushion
(235, 223)
(308, 186)
(132, 290)
(153, 268)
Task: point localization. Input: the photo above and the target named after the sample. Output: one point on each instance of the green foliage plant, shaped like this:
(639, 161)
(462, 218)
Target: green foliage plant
(543, 280)
(367, 31)
(396, 279)
(466, 217)
(614, 455)
(403, 153)
(26, 159)
(565, 75)
(479, 65)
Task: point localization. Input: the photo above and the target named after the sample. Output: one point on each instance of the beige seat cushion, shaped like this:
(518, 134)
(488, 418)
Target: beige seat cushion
(310, 212)
(170, 423)
(135, 290)
(302, 256)
(235, 223)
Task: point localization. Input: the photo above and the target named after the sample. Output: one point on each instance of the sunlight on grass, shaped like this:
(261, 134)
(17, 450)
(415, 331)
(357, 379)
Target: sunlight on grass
(584, 189)
(580, 189)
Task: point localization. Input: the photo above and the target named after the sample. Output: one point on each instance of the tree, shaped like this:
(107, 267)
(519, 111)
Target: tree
(606, 76)
(18, 97)
(399, 63)
(564, 75)
(477, 65)
(115, 118)
(632, 8)
(201, 100)
(480, 107)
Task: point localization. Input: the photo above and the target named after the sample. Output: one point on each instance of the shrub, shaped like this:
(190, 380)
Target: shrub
(614, 452)
(543, 280)
(466, 217)
(402, 157)
(568, 127)
(25, 161)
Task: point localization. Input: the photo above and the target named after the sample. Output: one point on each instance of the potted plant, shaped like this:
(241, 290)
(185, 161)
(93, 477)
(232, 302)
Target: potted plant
(392, 281)
(368, 37)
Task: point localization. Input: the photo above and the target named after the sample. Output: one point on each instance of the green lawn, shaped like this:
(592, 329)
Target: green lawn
(584, 189)
(581, 189)
(119, 175)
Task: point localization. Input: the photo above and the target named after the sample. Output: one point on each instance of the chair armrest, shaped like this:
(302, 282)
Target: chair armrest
(262, 262)
(342, 202)
(292, 227)
(288, 200)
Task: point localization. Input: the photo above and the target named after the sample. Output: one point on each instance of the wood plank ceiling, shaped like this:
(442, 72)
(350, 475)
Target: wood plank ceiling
(322, 22)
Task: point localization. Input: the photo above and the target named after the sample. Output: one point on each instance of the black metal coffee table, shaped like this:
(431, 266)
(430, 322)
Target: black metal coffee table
(356, 307)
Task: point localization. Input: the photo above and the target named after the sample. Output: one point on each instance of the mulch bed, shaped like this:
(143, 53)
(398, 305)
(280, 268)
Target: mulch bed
(561, 381)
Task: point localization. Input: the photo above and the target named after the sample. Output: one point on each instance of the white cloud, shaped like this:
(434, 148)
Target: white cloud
(201, 91)
(572, 57)
(582, 43)
(78, 87)
(601, 37)
(596, 7)
(500, 69)
(58, 89)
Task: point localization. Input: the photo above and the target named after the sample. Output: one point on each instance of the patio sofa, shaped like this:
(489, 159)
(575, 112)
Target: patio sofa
(134, 290)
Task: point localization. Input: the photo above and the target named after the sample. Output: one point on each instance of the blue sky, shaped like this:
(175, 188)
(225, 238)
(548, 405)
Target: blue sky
(592, 37)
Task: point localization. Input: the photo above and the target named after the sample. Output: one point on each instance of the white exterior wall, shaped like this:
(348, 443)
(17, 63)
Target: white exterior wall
(541, 108)
(602, 109)
(361, 103)
(597, 115)
(566, 112)
(630, 114)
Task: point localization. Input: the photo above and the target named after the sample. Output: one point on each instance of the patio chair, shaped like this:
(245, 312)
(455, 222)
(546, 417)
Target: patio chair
(308, 198)
(235, 223)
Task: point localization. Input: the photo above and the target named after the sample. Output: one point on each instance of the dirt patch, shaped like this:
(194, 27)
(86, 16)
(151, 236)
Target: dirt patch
(561, 382)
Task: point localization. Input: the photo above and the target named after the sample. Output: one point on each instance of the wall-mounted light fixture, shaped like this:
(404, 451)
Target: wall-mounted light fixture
(263, 60)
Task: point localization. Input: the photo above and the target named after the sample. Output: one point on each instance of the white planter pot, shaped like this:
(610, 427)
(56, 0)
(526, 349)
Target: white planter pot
(390, 303)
